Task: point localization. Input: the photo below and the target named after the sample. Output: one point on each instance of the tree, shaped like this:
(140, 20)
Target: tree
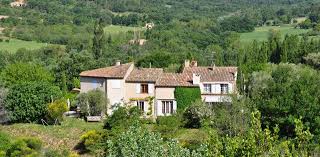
(17, 73)
(274, 46)
(92, 103)
(3, 113)
(284, 92)
(98, 39)
(27, 102)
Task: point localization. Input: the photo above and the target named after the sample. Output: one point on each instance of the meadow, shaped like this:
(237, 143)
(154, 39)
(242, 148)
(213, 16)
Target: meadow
(115, 29)
(261, 33)
(14, 44)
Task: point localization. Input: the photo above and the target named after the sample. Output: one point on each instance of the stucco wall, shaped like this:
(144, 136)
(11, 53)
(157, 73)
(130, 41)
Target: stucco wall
(165, 93)
(89, 83)
(131, 91)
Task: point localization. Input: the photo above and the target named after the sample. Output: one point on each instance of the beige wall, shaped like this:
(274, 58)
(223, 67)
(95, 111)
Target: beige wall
(132, 93)
(165, 93)
(89, 83)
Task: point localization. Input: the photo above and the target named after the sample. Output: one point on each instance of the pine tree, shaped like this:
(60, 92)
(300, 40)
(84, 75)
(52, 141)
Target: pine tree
(98, 39)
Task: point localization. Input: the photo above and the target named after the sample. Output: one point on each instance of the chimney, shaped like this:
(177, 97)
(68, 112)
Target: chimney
(196, 79)
(186, 63)
(194, 63)
(118, 62)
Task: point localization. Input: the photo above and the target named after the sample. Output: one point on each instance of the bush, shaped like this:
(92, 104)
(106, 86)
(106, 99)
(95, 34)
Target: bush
(64, 153)
(90, 139)
(92, 103)
(4, 142)
(56, 110)
(195, 115)
(168, 125)
(27, 102)
(122, 118)
(25, 147)
(186, 96)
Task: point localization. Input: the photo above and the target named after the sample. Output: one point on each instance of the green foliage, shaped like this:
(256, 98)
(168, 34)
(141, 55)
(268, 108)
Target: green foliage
(25, 72)
(195, 115)
(238, 24)
(156, 60)
(98, 39)
(92, 103)
(25, 147)
(5, 142)
(139, 142)
(90, 139)
(284, 92)
(56, 110)
(27, 102)
(122, 118)
(186, 96)
(167, 126)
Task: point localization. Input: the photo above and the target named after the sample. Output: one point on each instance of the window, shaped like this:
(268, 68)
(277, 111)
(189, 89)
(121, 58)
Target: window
(207, 88)
(140, 105)
(167, 107)
(144, 88)
(224, 89)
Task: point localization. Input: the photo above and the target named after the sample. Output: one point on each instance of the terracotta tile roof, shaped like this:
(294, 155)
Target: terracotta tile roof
(174, 80)
(144, 75)
(108, 72)
(212, 74)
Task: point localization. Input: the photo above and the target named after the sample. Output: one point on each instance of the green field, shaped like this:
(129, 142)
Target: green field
(14, 44)
(261, 33)
(113, 29)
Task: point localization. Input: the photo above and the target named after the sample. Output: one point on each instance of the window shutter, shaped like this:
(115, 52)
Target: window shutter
(230, 87)
(146, 106)
(159, 108)
(174, 106)
(138, 88)
(150, 88)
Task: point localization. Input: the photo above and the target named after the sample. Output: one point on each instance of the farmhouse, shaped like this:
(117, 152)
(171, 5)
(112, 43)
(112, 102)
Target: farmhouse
(152, 90)
(18, 3)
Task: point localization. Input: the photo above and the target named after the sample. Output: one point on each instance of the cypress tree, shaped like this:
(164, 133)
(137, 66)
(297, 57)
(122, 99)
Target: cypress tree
(98, 39)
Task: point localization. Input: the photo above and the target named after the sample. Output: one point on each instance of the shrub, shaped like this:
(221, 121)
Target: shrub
(92, 103)
(25, 147)
(168, 125)
(186, 96)
(122, 118)
(64, 153)
(90, 139)
(56, 110)
(27, 102)
(195, 115)
(4, 142)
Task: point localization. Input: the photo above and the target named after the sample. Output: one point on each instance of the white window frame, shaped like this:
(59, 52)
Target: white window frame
(207, 88)
(141, 103)
(167, 107)
(224, 88)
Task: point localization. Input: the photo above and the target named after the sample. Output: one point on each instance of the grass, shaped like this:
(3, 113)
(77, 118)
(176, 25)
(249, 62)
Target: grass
(115, 29)
(14, 44)
(60, 137)
(261, 33)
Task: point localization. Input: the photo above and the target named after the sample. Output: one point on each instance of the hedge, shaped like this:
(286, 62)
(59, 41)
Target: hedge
(186, 96)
